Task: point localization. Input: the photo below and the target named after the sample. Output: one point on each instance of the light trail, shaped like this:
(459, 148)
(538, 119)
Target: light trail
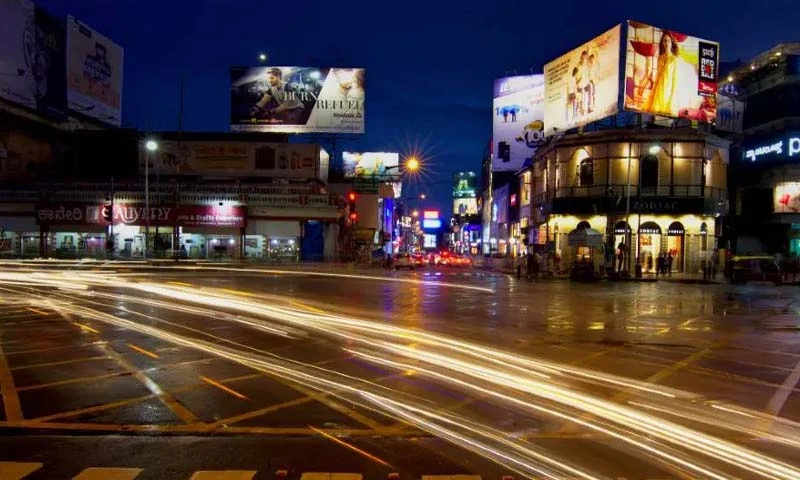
(527, 384)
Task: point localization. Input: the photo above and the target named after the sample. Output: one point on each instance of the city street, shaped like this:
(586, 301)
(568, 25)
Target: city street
(180, 371)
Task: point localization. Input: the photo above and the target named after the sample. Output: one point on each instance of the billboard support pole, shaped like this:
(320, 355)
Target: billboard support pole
(147, 202)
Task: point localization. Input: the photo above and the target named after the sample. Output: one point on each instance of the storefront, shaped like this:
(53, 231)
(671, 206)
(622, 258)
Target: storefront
(273, 240)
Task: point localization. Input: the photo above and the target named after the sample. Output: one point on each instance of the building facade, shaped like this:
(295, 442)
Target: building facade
(765, 159)
(647, 192)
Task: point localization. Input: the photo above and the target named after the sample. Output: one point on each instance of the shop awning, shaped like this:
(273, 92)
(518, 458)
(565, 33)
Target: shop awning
(650, 227)
(585, 237)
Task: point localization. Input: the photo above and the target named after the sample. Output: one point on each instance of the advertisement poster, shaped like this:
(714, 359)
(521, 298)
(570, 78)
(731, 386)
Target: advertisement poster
(670, 74)
(582, 86)
(370, 164)
(232, 159)
(94, 74)
(297, 99)
(787, 197)
(465, 187)
(730, 114)
(51, 64)
(17, 52)
(518, 120)
(137, 214)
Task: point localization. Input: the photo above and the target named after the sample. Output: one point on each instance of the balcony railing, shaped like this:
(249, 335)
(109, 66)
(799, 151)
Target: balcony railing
(715, 193)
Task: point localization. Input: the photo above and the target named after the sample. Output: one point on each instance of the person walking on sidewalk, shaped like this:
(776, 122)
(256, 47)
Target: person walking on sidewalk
(712, 264)
(660, 264)
(668, 264)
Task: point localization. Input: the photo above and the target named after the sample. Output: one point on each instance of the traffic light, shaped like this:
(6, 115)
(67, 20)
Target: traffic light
(108, 213)
(351, 205)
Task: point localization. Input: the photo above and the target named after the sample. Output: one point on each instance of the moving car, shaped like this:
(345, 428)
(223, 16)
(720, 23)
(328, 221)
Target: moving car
(404, 260)
(762, 268)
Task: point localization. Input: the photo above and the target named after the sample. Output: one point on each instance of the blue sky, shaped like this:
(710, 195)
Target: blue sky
(430, 64)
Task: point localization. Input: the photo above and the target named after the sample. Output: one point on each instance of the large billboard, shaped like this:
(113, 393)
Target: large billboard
(51, 64)
(518, 125)
(370, 164)
(297, 99)
(17, 52)
(787, 197)
(582, 86)
(671, 74)
(94, 73)
(232, 159)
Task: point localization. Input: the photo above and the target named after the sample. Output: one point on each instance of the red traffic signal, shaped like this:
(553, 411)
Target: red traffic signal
(351, 197)
(353, 216)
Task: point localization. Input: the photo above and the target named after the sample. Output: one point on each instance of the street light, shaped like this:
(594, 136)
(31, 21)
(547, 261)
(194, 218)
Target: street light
(415, 214)
(412, 164)
(151, 146)
(422, 196)
(654, 149)
(262, 57)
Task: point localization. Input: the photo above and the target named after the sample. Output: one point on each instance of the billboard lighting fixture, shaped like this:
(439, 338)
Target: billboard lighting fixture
(654, 149)
(151, 145)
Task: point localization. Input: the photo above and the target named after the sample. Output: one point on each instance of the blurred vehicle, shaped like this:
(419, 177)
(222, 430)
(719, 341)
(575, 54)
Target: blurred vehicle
(754, 268)
(404, 260)
(419, 259)
(460, 261)
(444, 258)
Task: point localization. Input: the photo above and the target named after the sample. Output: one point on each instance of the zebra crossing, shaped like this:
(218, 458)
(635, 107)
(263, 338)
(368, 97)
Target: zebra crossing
(22, 470)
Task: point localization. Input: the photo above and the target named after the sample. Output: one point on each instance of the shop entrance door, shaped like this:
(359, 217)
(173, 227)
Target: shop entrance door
(649, 246)
(675, 245)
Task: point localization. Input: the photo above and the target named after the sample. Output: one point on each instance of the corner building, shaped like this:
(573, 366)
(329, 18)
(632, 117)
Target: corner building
(656, 191)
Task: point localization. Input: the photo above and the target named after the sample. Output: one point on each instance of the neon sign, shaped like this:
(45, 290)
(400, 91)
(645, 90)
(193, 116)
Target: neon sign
(791, 147)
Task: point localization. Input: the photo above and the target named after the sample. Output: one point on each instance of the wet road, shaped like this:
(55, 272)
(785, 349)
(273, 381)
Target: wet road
(165, 372)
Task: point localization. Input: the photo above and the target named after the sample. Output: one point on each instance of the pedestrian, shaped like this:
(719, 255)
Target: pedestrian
(713, 264)
(649, 262)
(660, 264)
(529, 263)
(668, 264)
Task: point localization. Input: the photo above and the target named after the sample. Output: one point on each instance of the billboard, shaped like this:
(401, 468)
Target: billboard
(297, 99)
(730, 114)
(465, 185)
(671, 74)
(51, 64)
(232, 159)
(137, 214)
(94, 73)
(370, 164)
(18, 52)
(518, 120)
(582, 86)
(787, 197)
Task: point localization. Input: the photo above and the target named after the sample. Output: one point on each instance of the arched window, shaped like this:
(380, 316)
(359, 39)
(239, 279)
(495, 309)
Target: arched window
(583, 225)
(586, 172)
(648, 175)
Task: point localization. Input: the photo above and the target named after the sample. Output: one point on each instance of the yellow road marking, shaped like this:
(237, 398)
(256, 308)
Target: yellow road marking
(95, 473)
(17, 470)
(181, 284)
(223, 475)
(11, 403)
(223, 387)
(86, 327)
(37, 311)
(351, 447)
(307, 307)
(238, 292)
(261, 411)
(143, 351)
(166, 398)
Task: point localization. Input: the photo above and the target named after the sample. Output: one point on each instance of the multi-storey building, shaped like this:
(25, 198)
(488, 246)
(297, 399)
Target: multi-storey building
(652, 191)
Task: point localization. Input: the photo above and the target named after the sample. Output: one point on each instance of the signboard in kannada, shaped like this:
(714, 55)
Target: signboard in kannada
(772, 149)
(582, 86)
(297, 99)
(671, 74)
(137, 214)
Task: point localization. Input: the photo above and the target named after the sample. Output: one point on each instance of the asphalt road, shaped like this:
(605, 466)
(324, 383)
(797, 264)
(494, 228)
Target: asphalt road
(218, 372)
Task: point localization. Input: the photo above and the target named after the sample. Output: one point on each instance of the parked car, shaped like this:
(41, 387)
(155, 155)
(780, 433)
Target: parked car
(742, 269)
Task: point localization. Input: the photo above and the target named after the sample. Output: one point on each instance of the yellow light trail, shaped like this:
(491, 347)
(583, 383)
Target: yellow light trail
(352, 447)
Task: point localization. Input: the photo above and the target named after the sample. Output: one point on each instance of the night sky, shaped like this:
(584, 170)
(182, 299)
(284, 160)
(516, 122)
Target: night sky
(430, 64)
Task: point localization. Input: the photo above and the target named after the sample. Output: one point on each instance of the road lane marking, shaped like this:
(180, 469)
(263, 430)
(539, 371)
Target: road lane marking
(11, 403)
(17, 470)
(223, 388)
(307, 307)
(86, 328)
(62, 362)
(351, 447)
(166, 398)
(181, 284)
(143, 351)
(102, 473)
(238, 292)
(261, 411)
(40, 312)
(778, 400)
(223, 475)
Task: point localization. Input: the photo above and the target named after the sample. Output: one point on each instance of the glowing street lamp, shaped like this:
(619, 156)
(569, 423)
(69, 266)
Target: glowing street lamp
(151, 146)
(422, 196)
(415, 214)
(262, 57)
(412, 164)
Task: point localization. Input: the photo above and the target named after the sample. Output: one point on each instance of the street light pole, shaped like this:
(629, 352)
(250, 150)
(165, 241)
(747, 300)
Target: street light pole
(151, 147)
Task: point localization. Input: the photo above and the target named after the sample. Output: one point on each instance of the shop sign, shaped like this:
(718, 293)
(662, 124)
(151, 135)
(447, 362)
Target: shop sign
(667, 205)
(780, 149)
(137, 214)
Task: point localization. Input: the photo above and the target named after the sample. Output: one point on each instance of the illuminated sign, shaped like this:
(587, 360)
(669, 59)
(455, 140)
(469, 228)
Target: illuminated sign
(429, 241)
(431, 214)
(431, 224)
(787, 197)
(774, 150)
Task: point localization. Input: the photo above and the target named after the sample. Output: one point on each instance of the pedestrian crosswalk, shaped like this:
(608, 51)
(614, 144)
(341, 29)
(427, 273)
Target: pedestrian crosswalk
(21, 470)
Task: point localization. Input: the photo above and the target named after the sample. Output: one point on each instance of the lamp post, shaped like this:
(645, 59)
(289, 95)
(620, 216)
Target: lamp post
(152, 147)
